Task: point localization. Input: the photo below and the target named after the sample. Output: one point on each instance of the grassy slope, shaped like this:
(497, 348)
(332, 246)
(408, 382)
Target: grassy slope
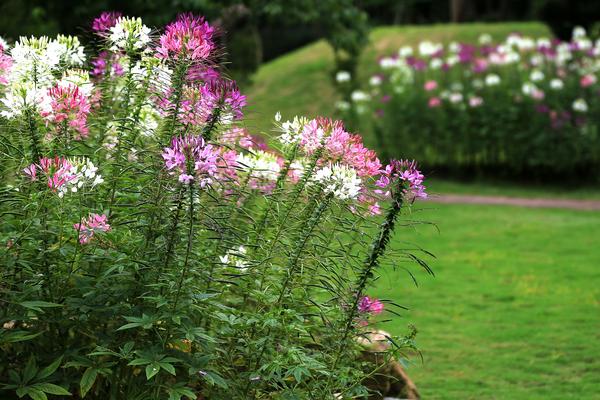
(505, 317)
(299, 83)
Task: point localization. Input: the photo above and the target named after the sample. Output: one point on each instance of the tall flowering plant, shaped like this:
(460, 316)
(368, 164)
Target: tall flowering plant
(521, 106)
(151, 247)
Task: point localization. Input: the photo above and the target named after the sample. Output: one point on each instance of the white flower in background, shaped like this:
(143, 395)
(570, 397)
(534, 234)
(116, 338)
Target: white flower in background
(375, 80)
(556, 84)
(536, 60)
(475, 101)
(405, 51)
(444, 94)
(148, 120)
(290, 130)
(339, 180)
(584, 43)
(543, 42)
(259, 164)
(453, 47)
(4, 44)
(277, 116)
(359, 96)
(235, 257)
(343, 76)
(528, 88)
(32, 62)
(389, 62)
(485, 38)
(536, 75)
(342, 105)
(436, 63)
(580, 105)
(455, 97)
(452, 60)
(402, 74)
(129, 34)
(83, 174)
(492, 80)
(578, 32)
(427, 48)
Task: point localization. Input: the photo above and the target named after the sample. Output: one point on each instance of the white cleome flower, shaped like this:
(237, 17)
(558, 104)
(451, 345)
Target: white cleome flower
(536, 75)
(556, 84)
(342, 76)
(580, 105)
(339, 180)
(129, 34)
(492, 80)
(359, 95)
(290, 130)
(260, 164)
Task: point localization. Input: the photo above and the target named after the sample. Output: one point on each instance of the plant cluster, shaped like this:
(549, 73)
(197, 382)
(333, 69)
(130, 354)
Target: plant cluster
(519, 107)
(152, 248)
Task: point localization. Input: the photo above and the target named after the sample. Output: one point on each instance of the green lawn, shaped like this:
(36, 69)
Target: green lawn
(499, 188)
(300, 83)
(514, 311)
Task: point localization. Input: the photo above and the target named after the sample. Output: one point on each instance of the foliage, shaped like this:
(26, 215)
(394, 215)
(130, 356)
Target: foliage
(521, 107)
(152, 248)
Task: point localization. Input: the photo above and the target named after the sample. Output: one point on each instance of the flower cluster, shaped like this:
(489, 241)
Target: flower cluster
(129, 34)
(192, 159)
(406, 174)
(189, 37)
(68, 109)
(541, 88)
(339, 180)
(105, 21)
(65, 175)
(368, 305)
(90, 226)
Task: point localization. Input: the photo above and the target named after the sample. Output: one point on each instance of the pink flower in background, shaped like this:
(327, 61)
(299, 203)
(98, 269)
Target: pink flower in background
(475, 101)
(189, 37)
(538, 94)
(69, 108)
(434, 102)
(430, 85)
(587, 80)
(102, 24)
(370, 305)
(88, 227)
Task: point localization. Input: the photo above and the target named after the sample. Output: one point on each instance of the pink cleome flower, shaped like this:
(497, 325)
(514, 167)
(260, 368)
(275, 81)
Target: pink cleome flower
(192, 158)
(88, 227)
(188, 37)
(406, 173)
(587, 80)
(57, 170)
(68, 107)
(102, 24)
(370, 305)
(5, 66)
(430, 85)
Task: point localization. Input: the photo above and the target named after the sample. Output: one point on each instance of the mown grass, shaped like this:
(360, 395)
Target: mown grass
(514, 309)
(559, 190)
(300, 83)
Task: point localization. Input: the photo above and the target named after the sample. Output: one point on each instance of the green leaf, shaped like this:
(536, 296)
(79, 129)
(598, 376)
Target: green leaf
(177, 392)
(49, 370)
(87, 380)
(30, 370)
(51, 388)
(19, 336)
(140, 361)
(38, 305)
(215, 379)
(129, 326)
(167, 367)
(151, 370)
(36, 394)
